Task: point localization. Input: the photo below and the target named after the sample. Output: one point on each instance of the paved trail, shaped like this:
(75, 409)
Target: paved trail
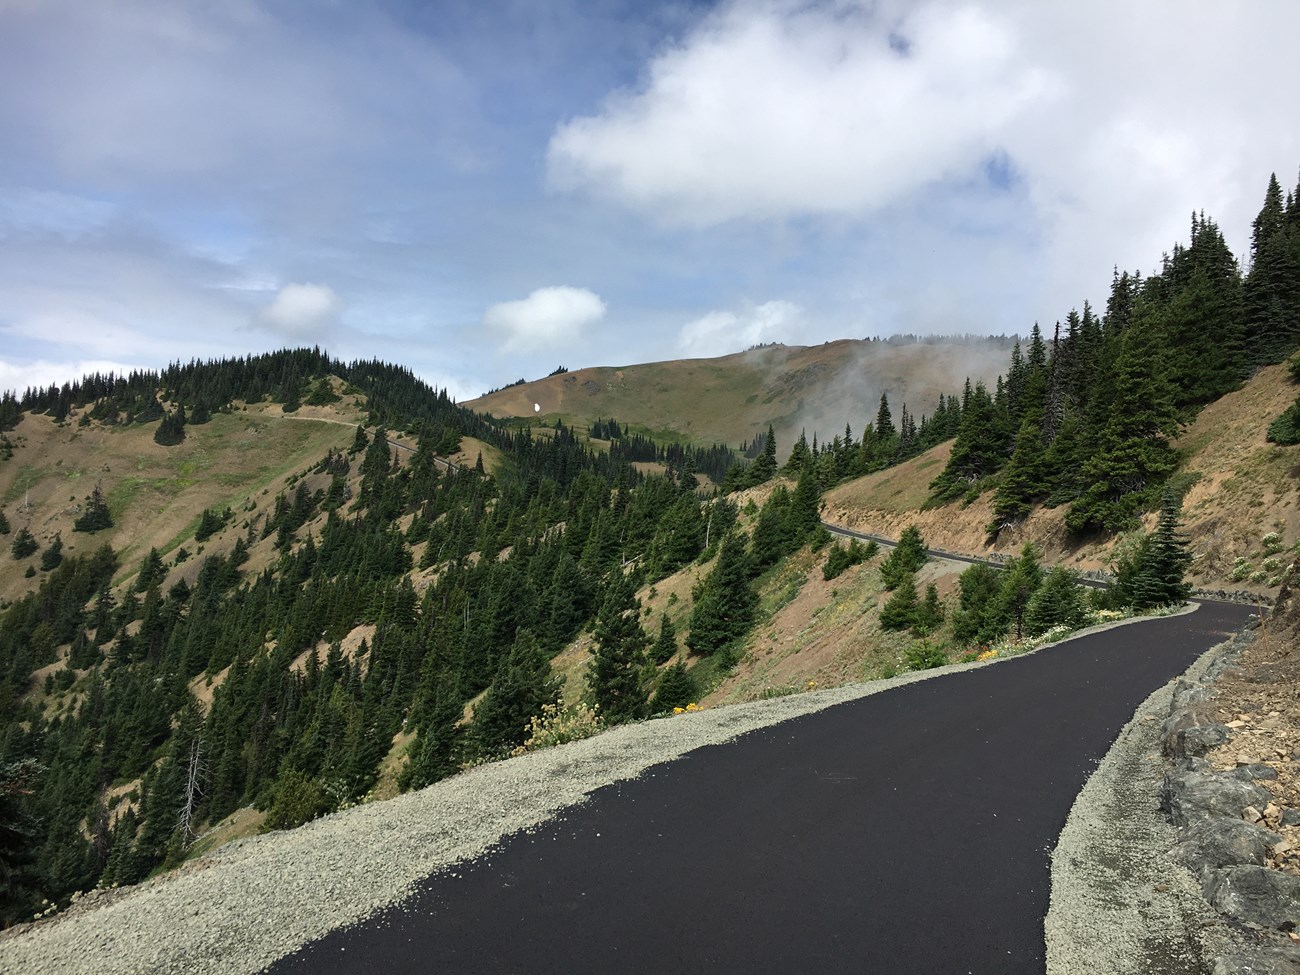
(906, 832)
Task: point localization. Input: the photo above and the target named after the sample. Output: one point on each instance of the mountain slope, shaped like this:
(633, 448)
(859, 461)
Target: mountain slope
(1241, 488)
(155, 493)
(733, 398)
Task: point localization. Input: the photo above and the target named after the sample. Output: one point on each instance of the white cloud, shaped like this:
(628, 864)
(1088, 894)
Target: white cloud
(547, 317)
(771, 109)
(778, 109)
(301, 310)
(722, 332)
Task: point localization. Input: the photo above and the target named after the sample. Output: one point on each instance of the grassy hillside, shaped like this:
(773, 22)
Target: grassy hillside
(733, 398)
(155, 493)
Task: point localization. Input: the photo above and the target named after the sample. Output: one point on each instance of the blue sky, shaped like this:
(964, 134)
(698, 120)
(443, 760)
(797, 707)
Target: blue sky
(485, 191)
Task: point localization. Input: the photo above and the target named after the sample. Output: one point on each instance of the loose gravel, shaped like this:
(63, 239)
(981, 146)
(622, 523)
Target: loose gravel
(1121, 904)
(250, 902)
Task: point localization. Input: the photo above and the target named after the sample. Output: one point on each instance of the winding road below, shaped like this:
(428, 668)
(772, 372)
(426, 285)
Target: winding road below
(907, 832)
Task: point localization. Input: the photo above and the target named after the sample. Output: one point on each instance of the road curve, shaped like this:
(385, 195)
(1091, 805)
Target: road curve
(904, 832)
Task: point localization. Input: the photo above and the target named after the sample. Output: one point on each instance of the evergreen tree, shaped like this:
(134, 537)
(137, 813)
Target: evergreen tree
(24, 544)
(523, 683)
(1020, 581)
(774, 534)
(1271, 294)
(805, 507)
(52, 557)
(979, 586)
(928, 616)
(1132, 457)
(885, 420)
(907, 557)
(801, 458)
(171, 431)
(1163, 561)
(665, 646)
(676, 689)
(978, 451)
(360, 441)
(96, 517)
(900, 610)
(615, 674)
(210, 522)
(4, 524)
(1058, 602)
(764, 466)
(1023, 480)
(433, 754)
(19, 833)
(725, 602)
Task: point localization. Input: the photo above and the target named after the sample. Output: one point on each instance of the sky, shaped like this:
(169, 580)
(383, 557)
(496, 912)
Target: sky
(486, 190)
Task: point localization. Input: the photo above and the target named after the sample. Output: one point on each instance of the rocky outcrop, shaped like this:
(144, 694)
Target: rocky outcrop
(1224, 817)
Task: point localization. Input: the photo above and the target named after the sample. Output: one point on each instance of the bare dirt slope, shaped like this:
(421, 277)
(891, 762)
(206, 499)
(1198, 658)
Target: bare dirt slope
(733, 398)
(1244, 489)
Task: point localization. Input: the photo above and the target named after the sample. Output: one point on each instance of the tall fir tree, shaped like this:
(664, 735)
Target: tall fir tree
(725, 603)
(616, 674)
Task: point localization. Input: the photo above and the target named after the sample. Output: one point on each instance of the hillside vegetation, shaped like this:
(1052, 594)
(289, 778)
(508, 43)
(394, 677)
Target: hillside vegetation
(284, 584)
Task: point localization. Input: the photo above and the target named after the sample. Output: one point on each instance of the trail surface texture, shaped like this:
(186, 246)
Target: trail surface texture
(905, 832)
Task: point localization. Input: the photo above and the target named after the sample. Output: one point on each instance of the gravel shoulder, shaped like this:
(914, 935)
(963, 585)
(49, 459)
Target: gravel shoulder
(246, 904)
(1112, 870)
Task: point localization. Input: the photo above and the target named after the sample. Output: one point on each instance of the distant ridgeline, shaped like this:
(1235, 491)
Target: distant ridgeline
(290, 377)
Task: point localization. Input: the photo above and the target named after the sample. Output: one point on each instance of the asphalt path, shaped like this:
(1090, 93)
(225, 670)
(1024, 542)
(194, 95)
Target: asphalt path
(904, 832)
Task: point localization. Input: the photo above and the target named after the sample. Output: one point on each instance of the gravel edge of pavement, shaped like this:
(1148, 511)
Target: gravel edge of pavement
(1121, 904)
(250, 902)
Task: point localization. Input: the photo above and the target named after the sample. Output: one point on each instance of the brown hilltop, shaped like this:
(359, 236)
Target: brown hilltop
(733, 398)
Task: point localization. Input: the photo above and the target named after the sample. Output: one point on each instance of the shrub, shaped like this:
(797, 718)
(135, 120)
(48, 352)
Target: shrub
(841, 558)
(1285, 430)
(676, 689)
(923, 655)
(298, 799)
(557, 725)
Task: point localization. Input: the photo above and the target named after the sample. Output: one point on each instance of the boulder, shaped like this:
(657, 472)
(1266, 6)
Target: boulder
(1188, 797)
(1193, 731)
(1211, 844)
(1186, 693)
(1256, 894)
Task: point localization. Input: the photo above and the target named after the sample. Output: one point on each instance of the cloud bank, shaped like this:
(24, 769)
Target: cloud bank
(302, 310)
(777, 109)
(856, 111)
(548, 317)
(723, 332)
